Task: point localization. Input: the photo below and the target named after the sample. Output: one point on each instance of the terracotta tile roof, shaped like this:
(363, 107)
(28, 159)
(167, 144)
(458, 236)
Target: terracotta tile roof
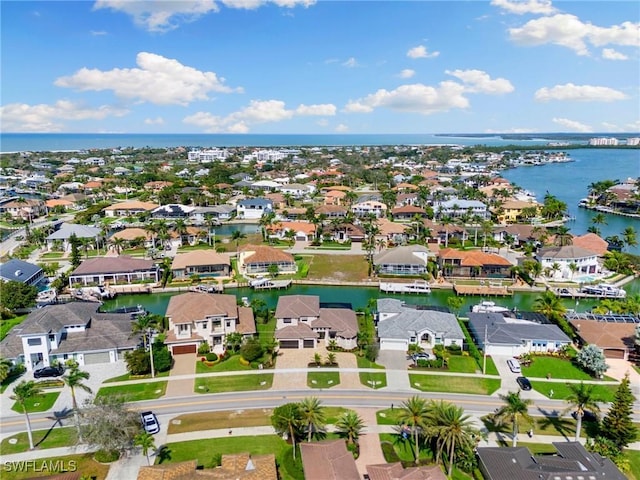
(408, 209)
(592, 242)
(395, 471)
(56, 202)
(388, 227)
(405, 186)
(328, 460)
(335, 194)
(341, 320)
(337, 187)
(121, 264)
(265, 254)
(329, 209)
(242, 466)
(133, 205)
(473, 258)
(606, 335)
(246, 321)
(191, 306)
(296, 332)
(131, 234)
(296, 306)
(305, 227)
(199, 257)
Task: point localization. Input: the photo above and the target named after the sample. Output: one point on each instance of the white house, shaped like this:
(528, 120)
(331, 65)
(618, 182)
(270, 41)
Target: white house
(254, 208)
(400, 325)
(369, 207)
(457, 207)
(568, 262)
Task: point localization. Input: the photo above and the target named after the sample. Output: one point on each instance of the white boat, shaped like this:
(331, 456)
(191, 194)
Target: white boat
(259, 281)
(489, 307)
(414, 287)
(46, 297)
(604, 290)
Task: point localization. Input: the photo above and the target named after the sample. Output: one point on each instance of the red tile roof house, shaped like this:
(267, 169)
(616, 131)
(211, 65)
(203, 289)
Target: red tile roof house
(196, 318)
(301, 323)
(125, 209)
(114, 271)
(256, 259)
(473, 263)
(204, 263)
(328, 460)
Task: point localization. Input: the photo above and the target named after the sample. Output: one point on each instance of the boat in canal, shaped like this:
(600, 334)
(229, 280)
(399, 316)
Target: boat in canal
(489, 307)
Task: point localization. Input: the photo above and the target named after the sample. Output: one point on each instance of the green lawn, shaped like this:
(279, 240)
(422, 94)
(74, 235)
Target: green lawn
(322, 379)
(9, 381)
(54, 438)
(463, 364)
(388, 416)
(491, 367)
(556, 367)
(346, 268)
(39, 403)
(231, 364)
(634, 462)
(233, 383)
(127, 376)
(444, 383)
(136, 392)
(7, 325)
(564, 426)
(266, 330)
(561, 390)
(52, 255)
(371, 379)
(205, 451)
(404, 449)
(83, 463)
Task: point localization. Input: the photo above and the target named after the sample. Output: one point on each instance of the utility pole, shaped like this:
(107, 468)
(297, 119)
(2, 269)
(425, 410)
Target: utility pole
(484, 351)
(153, 372)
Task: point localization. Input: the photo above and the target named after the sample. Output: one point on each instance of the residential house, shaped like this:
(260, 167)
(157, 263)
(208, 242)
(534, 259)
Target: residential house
(58, 204)
(24, 208)
(568, 262)
(75, 330)
(328, 459)
(204, 263)
(238, 466)
(303, 231)
(405, 260)
(369, 207)
(516, 234)
(128, 209)
(256, 260)
(395, 471)
(21, 271)
(408, 212)
(615, 338)
(334, 197)
(297, 190)
(302, 323)
(220, 213)
(346, 232)
(157, 186)
(592, 242)
(332, 211)
(254, 208)
(511, 210)
(473, 263)
(198, 317)
(457, 207)
(390, 232)
(134, 235)
(400, 325)
(172, 211)
(496, 334)
(67, 230)
(114, 271)
(572, 462)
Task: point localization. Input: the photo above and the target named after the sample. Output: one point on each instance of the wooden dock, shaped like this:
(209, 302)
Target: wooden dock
(483, 290)
(273, 285)
(122, 289)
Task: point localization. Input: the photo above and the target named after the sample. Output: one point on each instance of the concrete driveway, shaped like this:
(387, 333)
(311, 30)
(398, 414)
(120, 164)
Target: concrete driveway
(184, 364)
(397, 361)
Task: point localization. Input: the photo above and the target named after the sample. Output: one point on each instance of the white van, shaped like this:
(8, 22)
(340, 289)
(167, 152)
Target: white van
(514, 365)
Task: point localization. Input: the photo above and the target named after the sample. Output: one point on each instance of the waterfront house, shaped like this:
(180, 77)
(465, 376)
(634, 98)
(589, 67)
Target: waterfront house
(302, 323)
(303, 231)
(73, 330)
(133, 236)
(496, 334)
(256, 260)
(406, 260)
(114, 271)
(346, 232)
(172, 211)
(399, 325)
(128, 209)
(253, 208)
(24, 208)
(591, 241)
(196, 318)
(200, 215)
(21, 271)
(407, 212)
(328, 459)
(557, 262)
(204, 263)
(472, 263)
(457, 207)
(510, 211)
(572, 461)
(67, 230)
(297, 190)
(616, 339)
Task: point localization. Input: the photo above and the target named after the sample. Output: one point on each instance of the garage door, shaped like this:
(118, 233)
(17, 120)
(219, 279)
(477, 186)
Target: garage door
(182, 349)
(614, 353)
(309, 343)
(401, 345)
(92, 358)
(288, 343)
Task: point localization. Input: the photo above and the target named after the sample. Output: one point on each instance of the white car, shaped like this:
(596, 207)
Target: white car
(514, 365)
(150, 422)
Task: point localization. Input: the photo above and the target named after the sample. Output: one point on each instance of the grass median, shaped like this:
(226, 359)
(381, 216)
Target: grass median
(233, 383)
(451, 384)
(321, 379)
(42, 439)
(38, 403)
(136, 391)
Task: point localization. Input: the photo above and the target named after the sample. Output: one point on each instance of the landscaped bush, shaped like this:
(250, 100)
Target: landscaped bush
(162, 359)
(103, 456)
(437, 363)
(252, 350)
(138, 362)
(455, 349)
(389, 452)
(211, 357)
(203, 348)
(371, 353)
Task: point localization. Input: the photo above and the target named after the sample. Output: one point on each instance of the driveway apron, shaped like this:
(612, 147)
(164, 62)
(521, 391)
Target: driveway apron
(398, 362)
(370, 449)
(184, 364)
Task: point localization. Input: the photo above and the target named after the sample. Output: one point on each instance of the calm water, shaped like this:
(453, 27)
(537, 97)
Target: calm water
(569, 182)
(358, 297)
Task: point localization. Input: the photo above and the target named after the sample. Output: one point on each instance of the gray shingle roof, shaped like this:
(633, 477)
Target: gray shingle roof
(402, 256)
(511, 331)
(566, 252)
(80, 231)
(413, 320)
(18, 270)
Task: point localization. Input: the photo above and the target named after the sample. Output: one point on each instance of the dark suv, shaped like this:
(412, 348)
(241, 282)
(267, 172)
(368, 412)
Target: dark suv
(48, 372)
(524, 383)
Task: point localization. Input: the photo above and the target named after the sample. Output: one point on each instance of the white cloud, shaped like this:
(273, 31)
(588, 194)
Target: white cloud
(511, 130)
(578, 93)
(569, 31)
(633, 126)
(98, 33)
(323, 122)
(154, 121)
(21, 117)
(407, 73)
(350, 63)
(477, 81)
(421, 52)
(573, 125)
(341, 128)
(539, 7)
(258, 111)
(611, 54)
(159, 80)
(416, 98)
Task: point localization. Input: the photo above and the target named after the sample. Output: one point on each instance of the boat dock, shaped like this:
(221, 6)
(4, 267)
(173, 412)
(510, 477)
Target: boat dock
(140, 288)
(273, 285)
(483, 290)
(397, 287)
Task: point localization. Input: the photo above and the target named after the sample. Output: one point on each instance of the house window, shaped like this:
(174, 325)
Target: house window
(204, 325)
(228, 324)
(34, 341)
(52, 337)
(286, 320)
(183, 328)
(412, 339)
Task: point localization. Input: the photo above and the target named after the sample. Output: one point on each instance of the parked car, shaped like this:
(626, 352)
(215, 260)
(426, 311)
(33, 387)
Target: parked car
(150, 422)
(423, 356)
(48, 372)
(524, 383)
(514, 365)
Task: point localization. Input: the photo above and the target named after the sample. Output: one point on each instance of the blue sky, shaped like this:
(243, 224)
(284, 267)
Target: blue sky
(305, 66)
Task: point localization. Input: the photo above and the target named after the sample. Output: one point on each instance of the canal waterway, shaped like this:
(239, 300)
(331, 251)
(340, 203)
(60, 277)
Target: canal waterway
(358, 297)
(570, 182)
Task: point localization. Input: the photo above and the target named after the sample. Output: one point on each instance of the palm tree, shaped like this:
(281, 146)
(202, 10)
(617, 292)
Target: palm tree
(312, 416)
(453, 428)
(142, 325)
(350, 426)
(563, 237)
(629, 237)
(515, 408)
(73, 379)
(236, 236)
(145, 441)
(21, 394)
(581, 397)
(549, 305)
(287, 419)
(414, 412)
